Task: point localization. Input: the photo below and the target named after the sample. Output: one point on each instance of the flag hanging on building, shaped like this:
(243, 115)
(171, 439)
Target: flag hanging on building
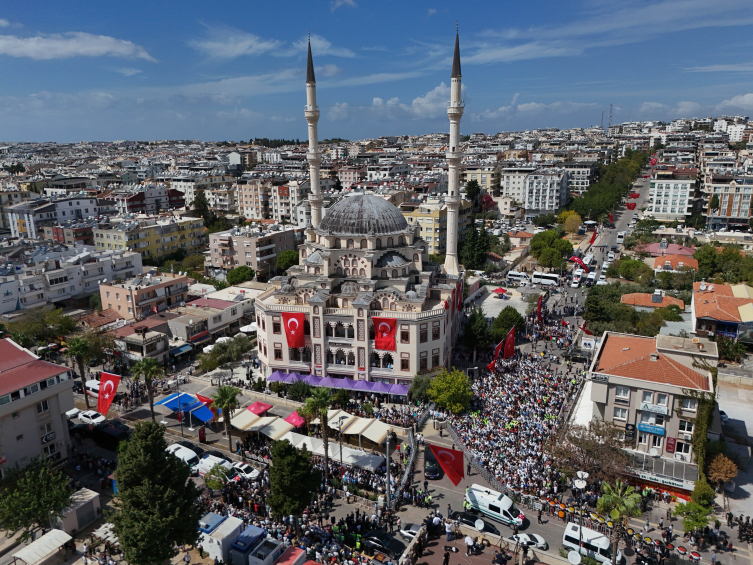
(293, 322)
(580, 262)
(108, 386)
(384, 330)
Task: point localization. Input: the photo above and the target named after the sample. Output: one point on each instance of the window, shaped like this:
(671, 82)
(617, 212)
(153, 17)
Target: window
(647, 396)
(278, 354)
(42, 407)
(45, 429)
(686, 426)
(622, 393)
(656, 441)
(50, 450)
(620, 413)
(661, 399)
(422, 363)
(423, 334)
(276, 327)
(405, 364)
(643, 438)
(682, 447)
(404, 336)
(435, 360)
(688, 404)
(19, 437)
(435, 331)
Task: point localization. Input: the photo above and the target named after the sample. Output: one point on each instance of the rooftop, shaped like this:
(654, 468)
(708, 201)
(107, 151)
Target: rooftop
(647, 300)
(20, 368)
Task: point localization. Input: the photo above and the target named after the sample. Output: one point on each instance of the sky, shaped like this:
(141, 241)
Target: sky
(86, 70)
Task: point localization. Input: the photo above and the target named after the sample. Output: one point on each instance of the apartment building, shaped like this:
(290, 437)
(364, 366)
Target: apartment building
(513, 181)
(487, 176)
(145, 199)
(733, 190)
(72, 233)
(431, 218)
(580, 175)
(152, 237)
(146, 339)
(545, 191)
(257, 248)
(222, 199)
(672, 193)
(27, 219)
(302, 211)
(641, 384)
(9, 197)
(34, 397)
(143, 295)
(254, 198)
(351, 175)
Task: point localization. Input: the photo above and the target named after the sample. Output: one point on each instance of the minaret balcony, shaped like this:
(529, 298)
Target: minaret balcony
(312, 114)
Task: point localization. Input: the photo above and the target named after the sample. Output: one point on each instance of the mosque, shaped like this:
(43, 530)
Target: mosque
(365, 302)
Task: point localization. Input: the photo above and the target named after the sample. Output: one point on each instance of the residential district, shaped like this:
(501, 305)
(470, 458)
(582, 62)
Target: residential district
(444, 348)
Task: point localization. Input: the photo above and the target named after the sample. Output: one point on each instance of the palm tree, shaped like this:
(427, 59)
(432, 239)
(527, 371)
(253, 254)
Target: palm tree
(226, 399)
(80, 352)
(620, 502)
(150, 369)
(318, 403)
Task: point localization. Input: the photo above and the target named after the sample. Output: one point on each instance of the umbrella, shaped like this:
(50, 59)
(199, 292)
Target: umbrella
(224, 339)
(589, 222)
(208, 348)
(259, 408)
(295, 420)
(249, 328)
(500, 290)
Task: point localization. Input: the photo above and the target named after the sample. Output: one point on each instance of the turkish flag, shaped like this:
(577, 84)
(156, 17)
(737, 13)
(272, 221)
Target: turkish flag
(108, 386)
(653, 162)
(630, 205)
(205, 400)
(580, 262)
(510, 343)
(154, 309)
(593, 238)
(610, 217)
(384, 330)
(538, 307)
(585, 331)
(497, 349)
(565, 323)
(451, 461)
(293, 323)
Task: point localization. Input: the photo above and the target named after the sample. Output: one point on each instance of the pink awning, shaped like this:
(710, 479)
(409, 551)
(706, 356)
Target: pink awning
(295, 420)
(259, 408)
(500, 290)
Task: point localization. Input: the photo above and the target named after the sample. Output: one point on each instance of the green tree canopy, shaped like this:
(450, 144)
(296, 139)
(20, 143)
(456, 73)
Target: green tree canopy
(476, 332)
(451, 390)
(194, 262)
(506, 319)
(33, 497)
(293, 480)
(226, 399)
(216, 477)
(287, 259)
(95, 301)
(317, 406)
(300, 390)
(150, 369)
(619, 502)
(694, 516)
(240, 275)
(572, 223)
(200, 207)
(541, 241)
(225, 352)
(157, 506)
(472, 191)
(550, 258)
(419, 388)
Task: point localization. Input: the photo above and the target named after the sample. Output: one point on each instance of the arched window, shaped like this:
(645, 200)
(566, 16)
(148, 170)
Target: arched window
(403, 272)
(350, 244)
(385, 303)
(337, 243)
(400, 240)
(306, 327)
(351, 331)
(362, 272)
(393, 306)
(415, 257)
(363, 244)
(316, 309)
(394, 273)
(389, 242)
(316, 270)
(339, 330)
(384, 274)
(339, 270)
(328, 330)
(347, 271)
(346, 262)
(298, 300)
(345, 302)
(371, 331)
(374, 359)
(303, 253)
(360, 311)
(378, 243)
(387, 361)
(351, 358)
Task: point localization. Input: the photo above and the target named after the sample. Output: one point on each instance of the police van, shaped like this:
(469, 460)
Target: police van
(594, 544)
(495, 505)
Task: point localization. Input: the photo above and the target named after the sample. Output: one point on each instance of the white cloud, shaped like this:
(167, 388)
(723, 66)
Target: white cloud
(319, 46)
(71, 44)
(225, 43)
(433, 104)
(4, 23)
(328, 70)
(284, 118)
(126, 71)
(684, 108)
(431, 11)
(687, 108)
(729, 68)
(335, 4)
(743, 101)
(529, 109)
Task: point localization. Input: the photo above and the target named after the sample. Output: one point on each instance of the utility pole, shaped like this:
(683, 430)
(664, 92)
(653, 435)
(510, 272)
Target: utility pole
(610, 116)
(602, 119)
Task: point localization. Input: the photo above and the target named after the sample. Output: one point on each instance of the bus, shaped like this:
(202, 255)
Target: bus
(546, 279)
(620, 237)
(588, 260)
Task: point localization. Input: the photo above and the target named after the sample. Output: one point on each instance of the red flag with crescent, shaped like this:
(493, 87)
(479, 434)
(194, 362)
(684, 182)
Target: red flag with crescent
(611, 219)
(205, 400)
(510, 343)
(384, 333)
(108, 386)
(580, 262)
(451, 461)
(565, 323)
(497, 349)
(585, 331)
(593, 238)
(538, 307)
(293, 322)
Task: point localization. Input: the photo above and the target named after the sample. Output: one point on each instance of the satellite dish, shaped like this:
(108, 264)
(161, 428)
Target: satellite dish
(703, 286)
(479, 525)
(653, 452)
(696, 340)
(573, 557)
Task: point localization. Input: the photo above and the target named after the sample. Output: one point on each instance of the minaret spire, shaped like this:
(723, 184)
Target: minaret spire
(313, 156)
(454, 156)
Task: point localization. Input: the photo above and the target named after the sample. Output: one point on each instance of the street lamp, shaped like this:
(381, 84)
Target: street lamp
(340, 428)
(580, 483)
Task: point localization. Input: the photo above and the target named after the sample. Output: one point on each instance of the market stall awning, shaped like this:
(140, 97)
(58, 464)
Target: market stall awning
(364, 385)
(260, 423)
(259, 407)
(276, 376)
(291, 379)
(244, 420)
(357, 428)
(345, 383)
(399, 390)
(176, 400)
(295, 419)
(276, 429)
(181, 350)
(312, 380)
(381, 387)
(40, 549)
(500, 290)
(377, 431)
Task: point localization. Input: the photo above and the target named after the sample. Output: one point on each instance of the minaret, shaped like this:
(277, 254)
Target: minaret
(313, 156)
(455, 112)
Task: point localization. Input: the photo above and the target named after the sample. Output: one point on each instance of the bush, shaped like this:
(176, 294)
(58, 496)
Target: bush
(299, 391)
(703, 494)
(277, 387)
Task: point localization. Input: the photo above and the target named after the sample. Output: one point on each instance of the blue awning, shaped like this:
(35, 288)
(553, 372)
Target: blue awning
(177, 400)
(181, 350)
(203, 413)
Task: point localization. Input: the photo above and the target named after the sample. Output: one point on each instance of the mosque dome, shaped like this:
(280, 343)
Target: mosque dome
(363, 214)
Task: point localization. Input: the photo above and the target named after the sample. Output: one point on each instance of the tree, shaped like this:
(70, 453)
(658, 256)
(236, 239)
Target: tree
(549, 258)
(419, 388)
(542, 240)
(620, 502)
(300, 390)
(695, 517)
(714, 202)
(194, 262)
(702, 493)
(95, 301)
(157, 508)
(706, 256)
(476, 332)
(33, 497)
(225, 352)
(150, 370)
(340, 397)
(472, 191)
(200, 206)
(505, 320)
(293, 481)
(451, 390)
(730, 349)
(564, 215)
(595, 449)
(226, 399)
(216, 477)
(317, 406)
(80, 352)
(240, 275)
(721, 470)
(573, 223)
(287, 259)
(43, 325)
(338, 185)
(487, 203)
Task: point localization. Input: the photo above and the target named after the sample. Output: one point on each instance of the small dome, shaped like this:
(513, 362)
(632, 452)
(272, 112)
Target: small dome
(363, 214)
(349, 288)
(411, 294)
(287, 288)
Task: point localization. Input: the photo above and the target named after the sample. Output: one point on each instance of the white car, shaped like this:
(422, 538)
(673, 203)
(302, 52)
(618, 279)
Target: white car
(575, 284)
(530, 540)
(410, 531)
(610, 255)
(602, 278)
(245, 470)
(605, 266)
(91, 417)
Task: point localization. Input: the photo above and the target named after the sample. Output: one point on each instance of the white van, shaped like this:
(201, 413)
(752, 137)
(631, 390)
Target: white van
(577, 276)
(209, 461)
(595, 544)
(495, 505)
(92, 388)
(184, 454)
(517, 276)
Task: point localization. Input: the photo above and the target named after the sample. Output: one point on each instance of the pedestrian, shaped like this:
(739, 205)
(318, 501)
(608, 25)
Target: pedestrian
(645, 528)
(713, 557)
(661, 522)
(539, 516)
(468, 469)
(448, 530)
(446, 558)
(469, 546)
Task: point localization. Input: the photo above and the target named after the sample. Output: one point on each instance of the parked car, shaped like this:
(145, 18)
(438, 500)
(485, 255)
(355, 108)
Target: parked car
(218, 454)
(529, 540)
(109, 437)
(195, 448)
(432, 470)
(91, 417)
(77, 387)
(410, 531)
(723, 416)
(384, 543)
(469, 520)
(246, 471)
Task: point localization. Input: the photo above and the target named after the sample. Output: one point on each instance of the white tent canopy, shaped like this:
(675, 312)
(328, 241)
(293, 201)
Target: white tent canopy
(276, 429)
(40, 549)
(261, 423)
(377, 431)
(244, 420)
(350, 456)
(359, 426)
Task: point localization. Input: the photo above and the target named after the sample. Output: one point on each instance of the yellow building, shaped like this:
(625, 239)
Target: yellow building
(155, 237)
(487, 176)
(431, 215)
